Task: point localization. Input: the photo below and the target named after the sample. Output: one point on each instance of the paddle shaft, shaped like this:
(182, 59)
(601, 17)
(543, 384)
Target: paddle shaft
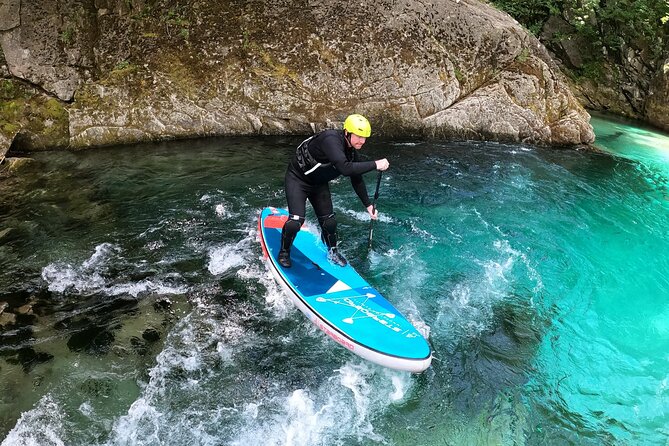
(376, 196)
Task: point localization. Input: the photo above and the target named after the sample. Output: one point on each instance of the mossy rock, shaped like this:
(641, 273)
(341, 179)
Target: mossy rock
(32, 120)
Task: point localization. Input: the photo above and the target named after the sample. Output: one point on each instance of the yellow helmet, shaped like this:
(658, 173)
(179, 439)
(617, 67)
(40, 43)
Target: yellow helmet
(358, 125)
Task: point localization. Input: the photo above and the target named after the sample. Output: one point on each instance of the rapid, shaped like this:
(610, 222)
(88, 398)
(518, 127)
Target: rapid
(538, 274)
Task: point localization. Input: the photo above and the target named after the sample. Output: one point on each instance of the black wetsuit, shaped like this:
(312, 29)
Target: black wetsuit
(317, 161)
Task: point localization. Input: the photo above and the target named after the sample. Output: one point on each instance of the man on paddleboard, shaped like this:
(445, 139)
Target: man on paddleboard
(318, 160)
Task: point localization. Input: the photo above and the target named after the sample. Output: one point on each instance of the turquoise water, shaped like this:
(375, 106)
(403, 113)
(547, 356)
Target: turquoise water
(538, 274)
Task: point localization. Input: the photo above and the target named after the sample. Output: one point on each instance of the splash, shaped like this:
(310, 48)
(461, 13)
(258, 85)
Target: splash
(44, 425)
(226, 258)
(94, 276)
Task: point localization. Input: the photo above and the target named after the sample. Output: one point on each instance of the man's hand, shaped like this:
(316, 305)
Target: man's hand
(373, 213)
(382, 164)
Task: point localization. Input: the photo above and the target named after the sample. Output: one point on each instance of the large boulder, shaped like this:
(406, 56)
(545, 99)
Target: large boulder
(136, 71)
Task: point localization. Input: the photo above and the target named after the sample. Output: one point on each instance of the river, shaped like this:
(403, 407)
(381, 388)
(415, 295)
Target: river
(144, 315)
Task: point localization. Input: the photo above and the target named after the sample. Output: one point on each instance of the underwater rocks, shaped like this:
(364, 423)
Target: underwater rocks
(16, 334)
(16, 312)
(33, 324)
(28, 358)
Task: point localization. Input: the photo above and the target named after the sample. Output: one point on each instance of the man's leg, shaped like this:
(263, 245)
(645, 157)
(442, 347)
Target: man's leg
(296, 195)
(321, 200)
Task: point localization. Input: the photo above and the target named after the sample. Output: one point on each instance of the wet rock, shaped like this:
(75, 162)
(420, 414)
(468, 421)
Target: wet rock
(7, 319)
(5, 234)
(415, 68)
(26, 319)
(657, 109)
(24, 314)
(138, 276)
(162, 304)
(73, 323)
(139, 346)
(98, 388)
(94, 340)
(17, 298)
(123, 303)
(120, 351)
(28, 358)
(13, 337)
(151, 335)
(26, 309)
(498, 359)
(6, 139)
(100, 311)
(16, 164)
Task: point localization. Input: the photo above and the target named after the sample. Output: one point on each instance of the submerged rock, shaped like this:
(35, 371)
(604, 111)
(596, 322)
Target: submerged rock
(7, 319)
(28, 358)
(93, 339)
(172, 69)
(151, 335)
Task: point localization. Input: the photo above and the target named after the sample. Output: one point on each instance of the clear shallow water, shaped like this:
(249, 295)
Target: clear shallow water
(539, 275)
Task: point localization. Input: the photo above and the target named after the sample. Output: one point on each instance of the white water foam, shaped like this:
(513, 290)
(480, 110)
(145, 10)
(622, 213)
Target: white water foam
(339, 411)
(228, 257)
(274, 296)
(425, 235)
(65, 277)
(335, 409)
(200, 393)
(44, 425)
(222, 211)
(146, 286)
(89, 277)
(471, 303)
(176, 404)
(364, 216)
(241, 255)
(221, 207)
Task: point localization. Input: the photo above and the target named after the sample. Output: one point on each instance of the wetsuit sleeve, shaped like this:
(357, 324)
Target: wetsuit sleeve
(360, 189)
(332, 148)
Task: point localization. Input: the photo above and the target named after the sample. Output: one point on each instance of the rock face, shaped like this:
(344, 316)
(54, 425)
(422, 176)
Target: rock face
(129, 71)
(629, 79)
(657, 107)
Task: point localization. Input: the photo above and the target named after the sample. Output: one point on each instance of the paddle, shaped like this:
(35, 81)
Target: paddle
(371, 223)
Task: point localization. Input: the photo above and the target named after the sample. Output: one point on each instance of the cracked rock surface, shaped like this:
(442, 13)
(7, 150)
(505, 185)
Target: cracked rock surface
(127, 72)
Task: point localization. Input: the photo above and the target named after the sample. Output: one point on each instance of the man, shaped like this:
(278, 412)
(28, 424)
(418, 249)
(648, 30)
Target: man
(319, 159)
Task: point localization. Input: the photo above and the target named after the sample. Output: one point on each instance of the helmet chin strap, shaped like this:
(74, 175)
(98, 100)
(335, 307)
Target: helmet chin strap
(347, 137)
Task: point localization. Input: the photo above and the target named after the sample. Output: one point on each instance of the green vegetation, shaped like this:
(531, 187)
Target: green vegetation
(7, 89)
(67, 35)
(22, 107)
(123, 68)
(176, 19)
(12, 105)
(156, 21)
(524, 54)
(607, 27)
(531, 13)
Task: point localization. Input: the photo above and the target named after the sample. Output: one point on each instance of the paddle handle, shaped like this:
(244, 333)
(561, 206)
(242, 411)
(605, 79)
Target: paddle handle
(376, 196)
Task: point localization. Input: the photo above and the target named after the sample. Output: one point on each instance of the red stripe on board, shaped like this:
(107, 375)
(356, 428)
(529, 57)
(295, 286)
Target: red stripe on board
(275, 221)
(262, 241)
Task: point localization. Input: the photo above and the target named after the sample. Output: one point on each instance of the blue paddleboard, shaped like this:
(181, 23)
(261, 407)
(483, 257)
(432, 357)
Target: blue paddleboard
(340, 302)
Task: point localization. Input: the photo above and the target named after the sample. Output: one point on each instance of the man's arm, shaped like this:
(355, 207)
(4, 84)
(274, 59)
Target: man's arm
(332, 148)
